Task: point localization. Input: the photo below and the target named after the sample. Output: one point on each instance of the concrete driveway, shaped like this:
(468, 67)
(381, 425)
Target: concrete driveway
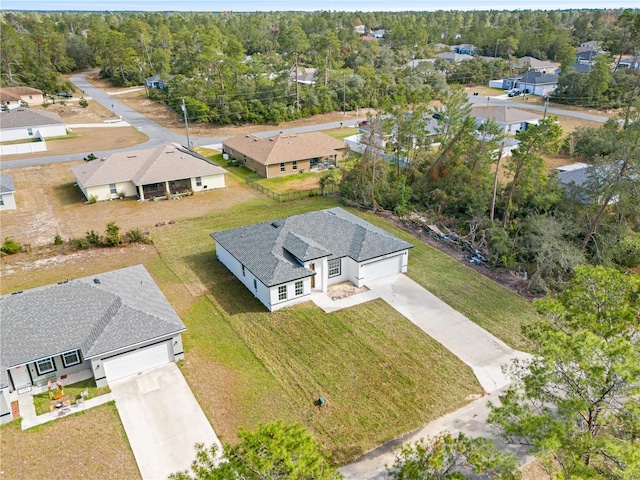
(162, 419)
(476, 347)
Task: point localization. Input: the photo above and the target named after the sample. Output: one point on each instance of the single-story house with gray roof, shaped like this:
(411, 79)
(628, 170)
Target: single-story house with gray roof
(282, 261)
(509, 119)
(152, 173)
(25, 123)
(7, 190)
(106, 326)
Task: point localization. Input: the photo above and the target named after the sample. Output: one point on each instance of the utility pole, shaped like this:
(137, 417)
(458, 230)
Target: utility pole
(546, 104)
(186, 122)
(344, 94)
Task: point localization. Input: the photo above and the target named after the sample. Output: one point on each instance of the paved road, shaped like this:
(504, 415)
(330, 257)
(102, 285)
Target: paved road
(481, 101)
(157, 134)
(162, 419)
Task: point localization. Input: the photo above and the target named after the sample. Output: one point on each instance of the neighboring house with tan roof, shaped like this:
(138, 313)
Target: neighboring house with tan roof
(285, 153)
(532, 64)
(153, 173)
(509, 119)
(14, 97)
(282, 262)
(7, 190)
(24, 123)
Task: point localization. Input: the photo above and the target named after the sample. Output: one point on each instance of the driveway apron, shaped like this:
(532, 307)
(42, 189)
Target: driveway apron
(162, 419)
(476, 347)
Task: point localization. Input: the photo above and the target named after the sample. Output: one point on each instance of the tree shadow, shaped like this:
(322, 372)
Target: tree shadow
(230, 293)
(68, 194)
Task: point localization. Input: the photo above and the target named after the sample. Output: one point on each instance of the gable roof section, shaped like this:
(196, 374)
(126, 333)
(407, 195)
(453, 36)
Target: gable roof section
(538, 78)
(532, 62)
(25, 117)
(6, 184)
(14, 93)
(504, 115)
(142, 167)
(274, 251)
(125, 308)
(285, 147)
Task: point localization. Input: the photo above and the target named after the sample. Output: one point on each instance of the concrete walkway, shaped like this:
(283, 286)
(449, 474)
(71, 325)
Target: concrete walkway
(30, 419)
(162, 419)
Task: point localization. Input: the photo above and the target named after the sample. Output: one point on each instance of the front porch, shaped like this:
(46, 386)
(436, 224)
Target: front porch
(164, 189)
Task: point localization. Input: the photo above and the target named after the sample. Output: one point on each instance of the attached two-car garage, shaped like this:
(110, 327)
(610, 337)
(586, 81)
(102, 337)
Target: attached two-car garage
(382, 268)
(139, 360)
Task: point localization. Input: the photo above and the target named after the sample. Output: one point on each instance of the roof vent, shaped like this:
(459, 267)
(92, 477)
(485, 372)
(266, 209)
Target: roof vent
(247, 135)
(276, 224)
(16, 293)
(131, 156)
(96, 281)
(103, 159)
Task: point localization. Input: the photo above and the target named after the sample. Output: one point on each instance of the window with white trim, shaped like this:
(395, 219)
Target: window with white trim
(1, 200)
(283, 168)
(71, 358)
(243, 272)
(30, 131)
(198, 181)
(294, 165)
(45, 365)
(334, 267)
(282, 292)
(112, 189)
(299, 287)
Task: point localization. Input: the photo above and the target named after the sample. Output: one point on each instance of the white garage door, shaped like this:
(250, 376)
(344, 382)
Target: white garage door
(381, 268)
(131, 363)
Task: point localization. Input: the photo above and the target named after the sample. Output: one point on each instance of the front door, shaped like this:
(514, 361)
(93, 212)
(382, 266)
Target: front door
(20, 376)
(312, 266)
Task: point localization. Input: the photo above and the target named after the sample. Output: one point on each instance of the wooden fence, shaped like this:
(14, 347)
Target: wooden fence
(287, 196)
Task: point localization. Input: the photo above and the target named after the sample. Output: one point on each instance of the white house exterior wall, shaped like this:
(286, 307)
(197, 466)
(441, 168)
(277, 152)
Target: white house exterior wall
(45, 131)
(292, 298)
(8, 202)
(5, 406)
(208, 182)
(103, 192)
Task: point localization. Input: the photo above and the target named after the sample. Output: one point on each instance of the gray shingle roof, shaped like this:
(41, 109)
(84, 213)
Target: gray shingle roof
(505, 115)
(537, 78)
(126, 308)
(271, 250)
(6, 183)
(25, 117)
(577, 177)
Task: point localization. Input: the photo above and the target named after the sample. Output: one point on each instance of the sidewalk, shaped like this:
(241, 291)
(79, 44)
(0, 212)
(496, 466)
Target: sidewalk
(30, 419)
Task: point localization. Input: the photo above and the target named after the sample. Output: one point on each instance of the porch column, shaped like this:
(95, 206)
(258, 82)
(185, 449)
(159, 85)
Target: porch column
(167, 192)
(140, 192)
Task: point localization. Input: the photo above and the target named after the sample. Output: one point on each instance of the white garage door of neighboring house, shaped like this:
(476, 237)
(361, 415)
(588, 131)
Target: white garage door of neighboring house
(381, 268)
(131, 363)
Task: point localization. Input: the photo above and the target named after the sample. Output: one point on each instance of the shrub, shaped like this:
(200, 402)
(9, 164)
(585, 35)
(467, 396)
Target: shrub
(89, 157)
(10, 246)
(79, 243)
(93, 199)
(83, 103)
(136, 236)
(57, 240)
(113, 237)
(93, 238)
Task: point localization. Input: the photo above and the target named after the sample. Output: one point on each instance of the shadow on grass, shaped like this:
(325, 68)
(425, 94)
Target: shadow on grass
(232, 296)
(68, 194)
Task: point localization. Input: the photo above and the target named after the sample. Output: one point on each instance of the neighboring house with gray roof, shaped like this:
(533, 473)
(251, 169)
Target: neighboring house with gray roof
(532, 64)
(7, 190)
(24, 123)
(152, 173)
(578, 180)
(106, 326)
(509, 119)
(453, 57)
(537, 83)
(283, 261)
(285, 153)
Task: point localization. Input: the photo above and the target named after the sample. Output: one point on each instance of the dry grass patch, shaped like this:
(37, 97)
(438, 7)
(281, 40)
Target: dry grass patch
(90, 444)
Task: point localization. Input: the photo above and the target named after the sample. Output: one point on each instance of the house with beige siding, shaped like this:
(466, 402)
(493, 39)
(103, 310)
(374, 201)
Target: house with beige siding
(285, 153)
(148, 174)
(14, 97)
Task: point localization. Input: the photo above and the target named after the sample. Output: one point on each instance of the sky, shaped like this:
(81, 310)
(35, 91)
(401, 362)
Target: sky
(307, 5)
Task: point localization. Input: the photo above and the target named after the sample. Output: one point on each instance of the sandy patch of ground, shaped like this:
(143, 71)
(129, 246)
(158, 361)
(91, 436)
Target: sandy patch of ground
(49, 203)
(344, 290)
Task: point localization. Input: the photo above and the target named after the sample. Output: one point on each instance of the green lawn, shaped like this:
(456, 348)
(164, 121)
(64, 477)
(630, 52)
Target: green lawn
(42, 401)
(381, 375)
(341, 133)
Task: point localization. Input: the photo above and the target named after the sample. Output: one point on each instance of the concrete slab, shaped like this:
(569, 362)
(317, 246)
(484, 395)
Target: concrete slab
(162, 419)
(476, 347)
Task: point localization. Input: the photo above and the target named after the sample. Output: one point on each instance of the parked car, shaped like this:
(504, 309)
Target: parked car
(64, 94)
(514, 92)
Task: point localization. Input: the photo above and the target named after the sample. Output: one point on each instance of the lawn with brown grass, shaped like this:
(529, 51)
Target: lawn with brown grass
(91, 444)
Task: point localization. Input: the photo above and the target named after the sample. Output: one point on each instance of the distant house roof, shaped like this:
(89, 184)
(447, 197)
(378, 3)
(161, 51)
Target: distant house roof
(272, 251)
(594, 44)
(570, 167)
(577, 177)
(417, 61)
(532, 63)
(454, 57)
(586, 55)
(538, 78)
(142, 167)
(96, 314)
(581, 67)
(307, 76)
(14, 93)
(6, 183)
(285, 147)
(504, 115)
(26, 117)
